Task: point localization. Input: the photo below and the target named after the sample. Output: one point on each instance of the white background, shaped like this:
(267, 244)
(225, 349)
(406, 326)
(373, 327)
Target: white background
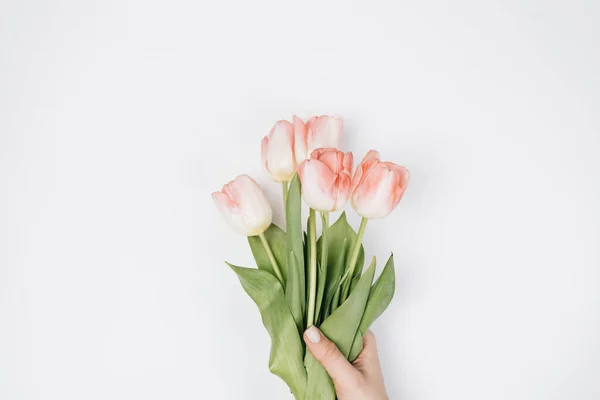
(119, 118)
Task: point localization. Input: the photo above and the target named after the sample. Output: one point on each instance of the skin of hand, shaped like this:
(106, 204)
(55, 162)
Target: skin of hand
(361, 380)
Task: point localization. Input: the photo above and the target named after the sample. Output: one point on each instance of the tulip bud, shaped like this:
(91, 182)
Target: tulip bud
(244, 206)
(377, 187)
(318, 132)
(278, 152)
(326, 179)
(300, 150)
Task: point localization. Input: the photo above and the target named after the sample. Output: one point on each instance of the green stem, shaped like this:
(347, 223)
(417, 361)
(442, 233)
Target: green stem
(324, 239)
(285, 192)
(284, 185)
(276, 269)
(325, 215)
(353, 258)
(312, 278)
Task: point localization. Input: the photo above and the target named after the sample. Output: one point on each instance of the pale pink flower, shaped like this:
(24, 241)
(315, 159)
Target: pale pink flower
(244, 206)
(326, 179)
(377, 186)
(277, 152)
(318, 132)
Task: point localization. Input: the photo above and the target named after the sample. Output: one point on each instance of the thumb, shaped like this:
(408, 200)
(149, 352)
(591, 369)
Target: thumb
(330, 357)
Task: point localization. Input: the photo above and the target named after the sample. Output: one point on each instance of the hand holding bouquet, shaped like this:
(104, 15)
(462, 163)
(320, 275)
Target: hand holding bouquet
(301, 279)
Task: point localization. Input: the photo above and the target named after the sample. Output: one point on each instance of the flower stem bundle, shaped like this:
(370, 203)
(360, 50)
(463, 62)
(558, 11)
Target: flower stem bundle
(303, 279)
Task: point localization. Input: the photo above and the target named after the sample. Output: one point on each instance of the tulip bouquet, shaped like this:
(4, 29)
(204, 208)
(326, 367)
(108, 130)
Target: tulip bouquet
(301, 279)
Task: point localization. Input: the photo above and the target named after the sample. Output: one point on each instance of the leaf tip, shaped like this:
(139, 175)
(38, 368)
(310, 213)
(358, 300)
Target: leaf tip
(230, 265)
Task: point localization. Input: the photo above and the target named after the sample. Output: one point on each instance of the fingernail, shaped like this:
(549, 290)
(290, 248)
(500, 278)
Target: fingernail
(313, 334)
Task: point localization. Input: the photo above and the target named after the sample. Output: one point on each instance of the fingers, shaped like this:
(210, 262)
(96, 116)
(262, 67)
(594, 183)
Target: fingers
(330, 357)
(362, 379)
(367, 361)
(370, 346)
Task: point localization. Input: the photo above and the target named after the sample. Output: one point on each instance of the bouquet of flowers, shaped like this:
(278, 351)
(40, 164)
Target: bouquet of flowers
(301, 279)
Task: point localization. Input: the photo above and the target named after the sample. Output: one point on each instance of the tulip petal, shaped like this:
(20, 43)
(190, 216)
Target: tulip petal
(324, 131)
(347, 163)
(402, 176)
(343, 191)
(328, 156)
(370, 160)
(278, 152)
(230, 212)
(318, 185)
(373, 198)
(244, 206)
(300, 149)
(264, 152)
(377, 187)
(326, 174)
(252, 203)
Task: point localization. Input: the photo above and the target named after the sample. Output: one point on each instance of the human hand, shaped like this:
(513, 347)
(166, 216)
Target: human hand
(361, 380)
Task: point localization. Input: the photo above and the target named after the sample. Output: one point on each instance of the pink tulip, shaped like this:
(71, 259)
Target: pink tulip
(244, 206)
(278, 152)
(377, 187)
(300, 149)
(326, 179)
(318, 132)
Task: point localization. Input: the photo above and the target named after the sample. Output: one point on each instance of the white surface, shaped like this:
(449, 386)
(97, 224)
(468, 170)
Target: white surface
(118, 118)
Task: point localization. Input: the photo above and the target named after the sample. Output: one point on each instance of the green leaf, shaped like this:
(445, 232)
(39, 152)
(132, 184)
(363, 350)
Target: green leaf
(341, 239)
(329, 300)
(286, 360)
(381, 295)
(360, 262)
(380, 298)
(293, 218)
(295, 236)
(337, 249)
(340, 327)
(278, 243)
(321, 280)
(337, 297)
(335, 302)
(322, 268)
(293, 292)
(357, 346)
(348, 315)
